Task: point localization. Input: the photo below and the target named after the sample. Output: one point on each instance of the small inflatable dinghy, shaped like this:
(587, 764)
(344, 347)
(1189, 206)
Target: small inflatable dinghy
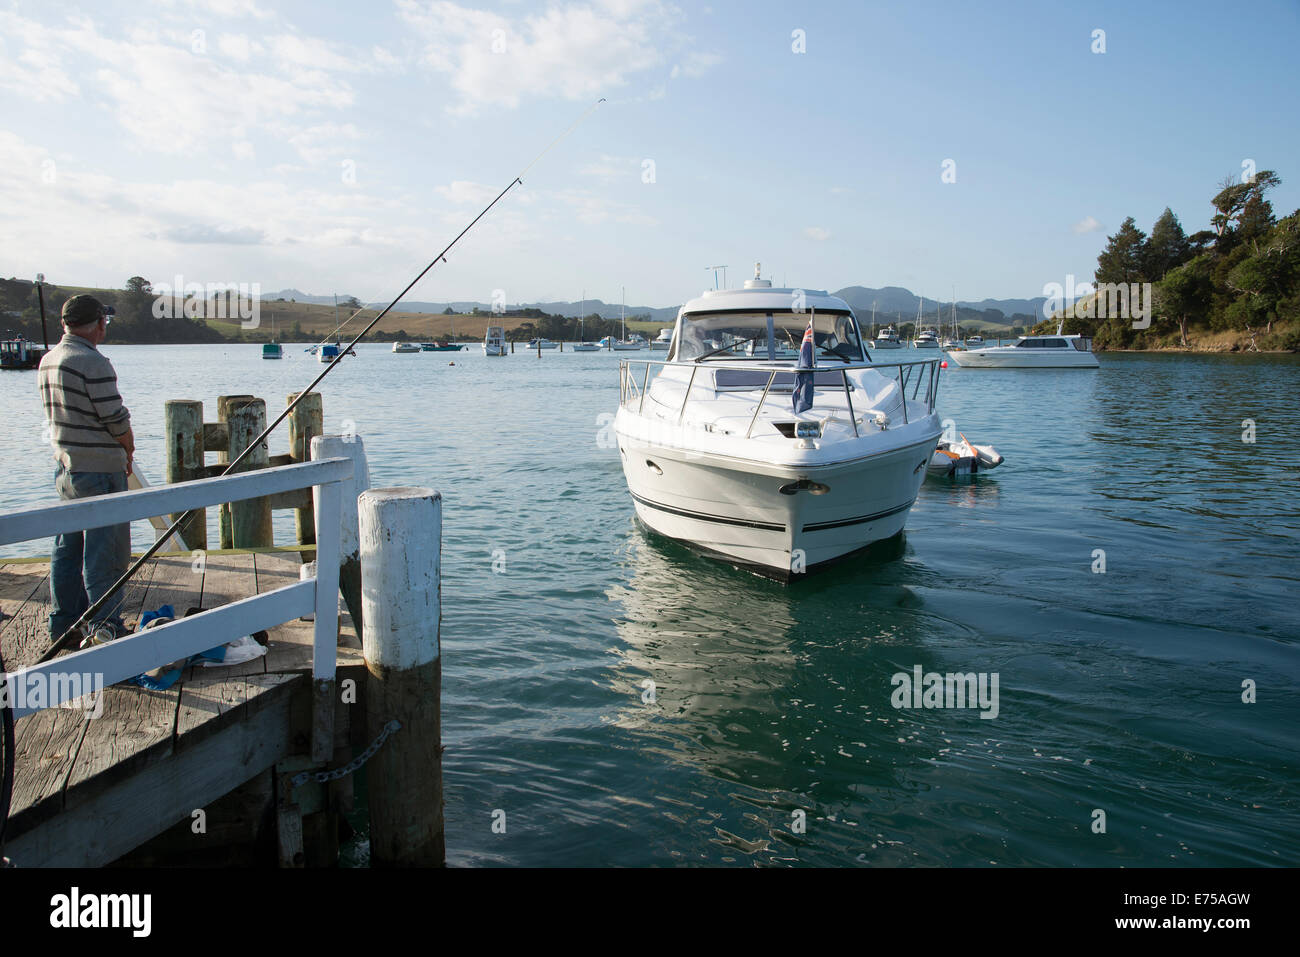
(962, 458)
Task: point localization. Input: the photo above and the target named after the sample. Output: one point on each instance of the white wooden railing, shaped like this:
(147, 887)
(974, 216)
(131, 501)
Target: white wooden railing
(135, 654)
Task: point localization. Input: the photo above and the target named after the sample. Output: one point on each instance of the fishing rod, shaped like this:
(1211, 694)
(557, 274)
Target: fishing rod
(62, 641)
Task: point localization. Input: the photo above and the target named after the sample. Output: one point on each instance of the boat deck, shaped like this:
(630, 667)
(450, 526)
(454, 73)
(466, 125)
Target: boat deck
(87, 789)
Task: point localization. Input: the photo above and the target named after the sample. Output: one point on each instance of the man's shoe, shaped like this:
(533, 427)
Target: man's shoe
(101, 634)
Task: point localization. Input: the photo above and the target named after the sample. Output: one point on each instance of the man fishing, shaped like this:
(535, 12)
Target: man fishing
(93, 443)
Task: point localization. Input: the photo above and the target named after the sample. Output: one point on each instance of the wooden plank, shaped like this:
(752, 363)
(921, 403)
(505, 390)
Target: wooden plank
(275, 569)
(137, 725)
(24, 613)
(204, 701)
(140, 806)
(49, 741)
(45, 748)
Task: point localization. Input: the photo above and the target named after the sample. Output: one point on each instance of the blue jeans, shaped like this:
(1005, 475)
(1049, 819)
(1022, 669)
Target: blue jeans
(85, 565)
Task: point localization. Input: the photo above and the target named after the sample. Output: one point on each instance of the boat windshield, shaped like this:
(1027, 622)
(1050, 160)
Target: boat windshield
(766, 335)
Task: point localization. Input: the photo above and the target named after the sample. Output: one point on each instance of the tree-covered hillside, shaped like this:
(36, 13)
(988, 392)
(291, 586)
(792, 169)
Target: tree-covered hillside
(1235, 284)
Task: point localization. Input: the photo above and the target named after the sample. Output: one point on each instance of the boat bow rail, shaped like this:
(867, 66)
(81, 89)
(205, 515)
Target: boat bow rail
(921, 376)
(136, 654)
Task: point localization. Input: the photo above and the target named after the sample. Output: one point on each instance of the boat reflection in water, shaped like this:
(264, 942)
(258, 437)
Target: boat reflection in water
(751, 701)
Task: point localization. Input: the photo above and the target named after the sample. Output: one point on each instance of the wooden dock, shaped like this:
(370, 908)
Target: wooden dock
(88, 791)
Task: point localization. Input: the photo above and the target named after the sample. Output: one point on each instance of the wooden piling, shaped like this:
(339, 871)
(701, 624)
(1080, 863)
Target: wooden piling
(305, 423)
(350, 447)
(224, 405)
(250, 519)
(401, 536)
(183, 428)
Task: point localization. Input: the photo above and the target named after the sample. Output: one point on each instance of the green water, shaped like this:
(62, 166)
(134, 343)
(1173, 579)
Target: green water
(1118, 691)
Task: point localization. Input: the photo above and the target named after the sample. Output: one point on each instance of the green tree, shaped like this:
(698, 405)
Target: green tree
(1183, 295)
(1266, 277)
(1168, 246)
(1124, 258)
(1231, 201)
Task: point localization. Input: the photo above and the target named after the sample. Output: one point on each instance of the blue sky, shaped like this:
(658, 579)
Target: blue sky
(338, 147)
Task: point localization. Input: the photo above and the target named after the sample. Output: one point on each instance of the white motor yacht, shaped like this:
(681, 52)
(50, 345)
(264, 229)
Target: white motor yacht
(661, 342)
(926, 340)
(974, 342)
(494, 342)
(535, 344)
(887, 338)
(746, 456)
(1031, 352)
(406, 347)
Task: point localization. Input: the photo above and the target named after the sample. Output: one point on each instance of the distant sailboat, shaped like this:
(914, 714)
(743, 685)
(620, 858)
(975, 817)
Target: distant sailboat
(582, 345)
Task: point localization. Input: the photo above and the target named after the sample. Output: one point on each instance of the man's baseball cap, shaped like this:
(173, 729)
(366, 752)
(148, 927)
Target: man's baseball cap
(81, 310)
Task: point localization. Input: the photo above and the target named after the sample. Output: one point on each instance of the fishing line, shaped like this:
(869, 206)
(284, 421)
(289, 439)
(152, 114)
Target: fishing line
(73, 631)
(518, 178)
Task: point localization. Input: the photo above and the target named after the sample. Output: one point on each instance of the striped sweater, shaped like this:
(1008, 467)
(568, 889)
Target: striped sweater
(83, 408)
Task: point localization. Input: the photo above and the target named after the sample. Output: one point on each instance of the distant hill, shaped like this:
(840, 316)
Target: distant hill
(464, 306)
(893, 304)
(889, 302)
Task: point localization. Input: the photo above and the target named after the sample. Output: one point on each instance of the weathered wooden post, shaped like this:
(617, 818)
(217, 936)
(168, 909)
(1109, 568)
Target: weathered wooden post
(401, 541)
(250, 519)
(306, 422)
(348, 447)
(183, 426)
(224, 404)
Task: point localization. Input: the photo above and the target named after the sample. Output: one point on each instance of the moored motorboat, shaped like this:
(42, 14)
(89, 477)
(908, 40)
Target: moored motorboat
(19, 352)
(1031, 352)
(494, 342)
(770, 465)
(887, 338)
(405, 347)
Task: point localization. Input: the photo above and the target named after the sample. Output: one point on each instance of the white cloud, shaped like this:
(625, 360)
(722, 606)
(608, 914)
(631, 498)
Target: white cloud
(233, 9)
(608, 168)
(36, 73)
(573, 50)
(1086, 225)
(170, 99)
(464, 192)
(819, 233)
(592, 209)
(315, 144)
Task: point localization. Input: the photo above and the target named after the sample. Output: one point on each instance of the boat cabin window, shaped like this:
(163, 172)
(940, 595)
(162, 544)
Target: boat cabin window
(1054, 343)
(744, 335)
(1029, 344)
(1082, 344)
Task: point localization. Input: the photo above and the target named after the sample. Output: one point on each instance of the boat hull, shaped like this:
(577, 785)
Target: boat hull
(1013, 358)
(736, 510)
